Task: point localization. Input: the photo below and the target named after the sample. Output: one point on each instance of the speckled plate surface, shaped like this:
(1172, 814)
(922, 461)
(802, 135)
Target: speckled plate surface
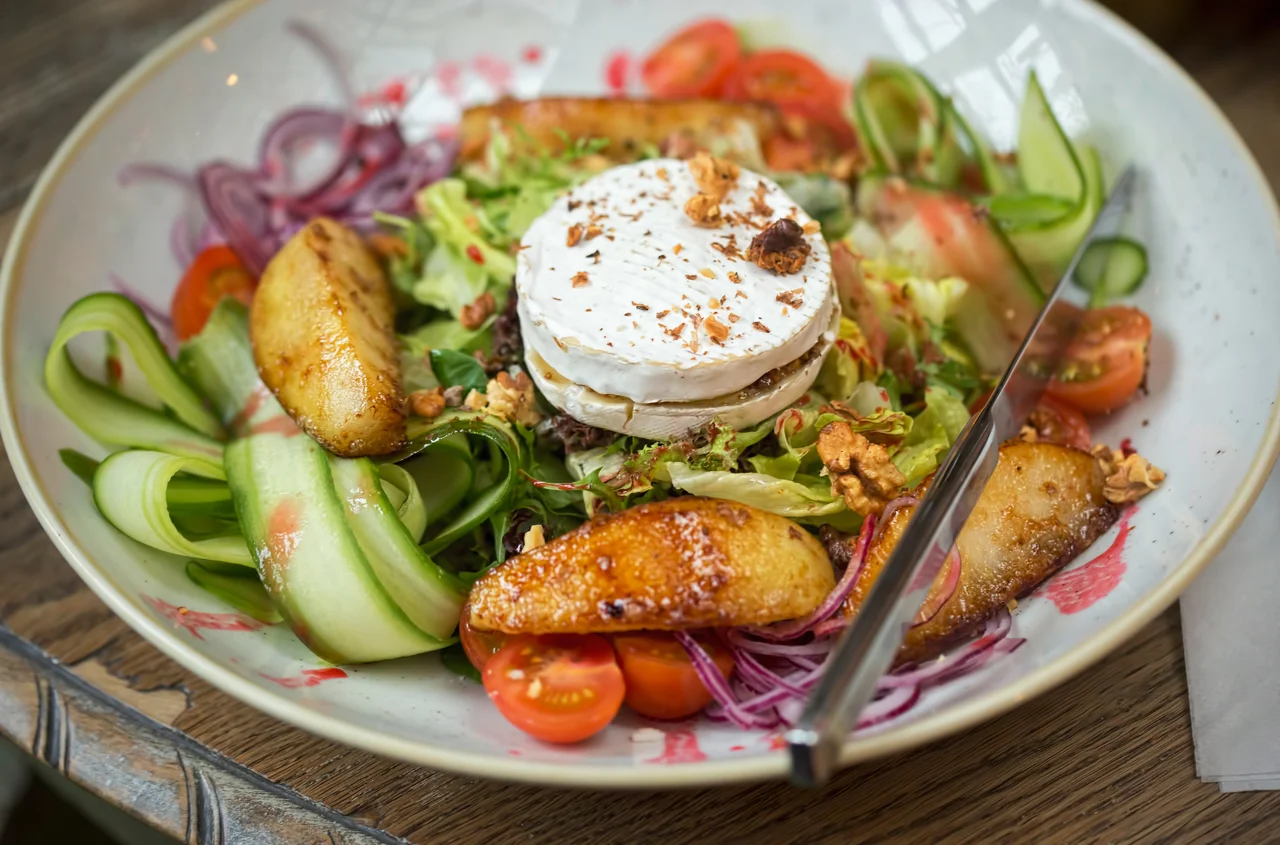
(1214, 296)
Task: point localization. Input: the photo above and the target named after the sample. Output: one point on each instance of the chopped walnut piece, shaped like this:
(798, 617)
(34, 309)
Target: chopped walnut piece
(533, 538)
(758, 205)
(640, 305)
(733, 318)
(813, 227)
(574, 235)
(691, 276)
(580, 279)
(781, 247)
(662, 174)
(860, 470)
(594, 256)
(453, 396)
(704, 210)
(713, 176)
(734, 277)
(676, 331)
(794, 297)
(427, 403)
(513, 399)
(677, 249)
(476, 400)
(716, 330)
(473, 316)
(713, 303)
(760, 327)
(593, 231)
(1129, 477)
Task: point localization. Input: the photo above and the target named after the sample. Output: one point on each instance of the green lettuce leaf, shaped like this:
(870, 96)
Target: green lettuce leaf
(791, 498)
(931, 435)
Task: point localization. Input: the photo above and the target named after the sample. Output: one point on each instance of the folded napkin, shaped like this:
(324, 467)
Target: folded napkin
(1231, 635)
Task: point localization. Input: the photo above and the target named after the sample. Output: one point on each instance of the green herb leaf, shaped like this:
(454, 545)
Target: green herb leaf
(457, 368)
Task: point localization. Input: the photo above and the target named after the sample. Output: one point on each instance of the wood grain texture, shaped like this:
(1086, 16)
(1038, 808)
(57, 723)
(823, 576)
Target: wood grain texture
(1107, 757)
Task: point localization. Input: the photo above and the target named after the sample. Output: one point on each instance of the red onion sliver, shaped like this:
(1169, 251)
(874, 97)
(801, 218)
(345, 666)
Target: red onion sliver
(240, 212)
(889, 510)
(790, 630)
(933, 605)
(898, 701)
(332, 56)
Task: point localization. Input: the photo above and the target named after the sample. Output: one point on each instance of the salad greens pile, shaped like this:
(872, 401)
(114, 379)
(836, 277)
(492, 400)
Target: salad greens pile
(211, 469)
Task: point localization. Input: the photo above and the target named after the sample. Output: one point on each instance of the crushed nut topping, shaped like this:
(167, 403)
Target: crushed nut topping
(691, 276)
(733, 318)
(640, 305)
(717, 330)
(703, 210)
(861, 472)
(594, 256)
(513, 399)
(663, 175)
(1129, 477)
(708, 272)
(781, 247)
(793, 297)
(453, 396)
(476, 400)
(473, 316)
(813, 227)
(740, 294)
(574, 235)
(663, 313)
(677, 249)
(676, 331)
(734, 277)
(758, 205)
(580, 279)
(594, 231)
(714, 303)
(533, 538)
(427, 403)
(713, 176)
(760, 327)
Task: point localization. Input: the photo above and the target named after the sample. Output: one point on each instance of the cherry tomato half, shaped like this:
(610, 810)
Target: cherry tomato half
(479, 646)
(1058, 422)
(695, 62)
(784, 77)
(559, 688)
(1106, 362)
(660, 678)
(215, 273)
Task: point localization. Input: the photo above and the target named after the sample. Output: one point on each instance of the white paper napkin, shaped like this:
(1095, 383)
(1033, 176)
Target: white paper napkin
(1231, 635)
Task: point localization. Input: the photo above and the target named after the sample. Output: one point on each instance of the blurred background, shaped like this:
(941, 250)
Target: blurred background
(58, 56)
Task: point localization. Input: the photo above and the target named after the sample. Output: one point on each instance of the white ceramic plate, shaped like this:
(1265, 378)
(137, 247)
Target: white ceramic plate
(1213, 294)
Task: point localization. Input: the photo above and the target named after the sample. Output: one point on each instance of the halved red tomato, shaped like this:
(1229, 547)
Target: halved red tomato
(661, 681)
(1106, 362)
(695, 62)
(1058, 422)
(560, 688)
(216, 272)
(479, 646)
(800, 87)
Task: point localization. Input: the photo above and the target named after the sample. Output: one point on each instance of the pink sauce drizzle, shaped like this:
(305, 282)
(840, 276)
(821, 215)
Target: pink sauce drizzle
(617, 72)
(449, 75)
(194, 621)
(1082, 587)
(308, 678)
(282, 533)
(494, 71)
(532, 54)
(679, 747)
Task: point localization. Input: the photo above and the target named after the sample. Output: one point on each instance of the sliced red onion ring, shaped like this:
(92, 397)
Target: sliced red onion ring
(893, 704)
(889, 510)
(233, 203)
(933, 605)
(793, 629)
(290, 131)
(131, 174)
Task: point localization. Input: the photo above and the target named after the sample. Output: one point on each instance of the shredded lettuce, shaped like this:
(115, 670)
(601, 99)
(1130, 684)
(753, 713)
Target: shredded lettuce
(931, 435)
(791, 498)
(849, 363)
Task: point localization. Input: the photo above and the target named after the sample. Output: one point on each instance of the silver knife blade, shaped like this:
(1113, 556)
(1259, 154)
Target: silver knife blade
(868, 646)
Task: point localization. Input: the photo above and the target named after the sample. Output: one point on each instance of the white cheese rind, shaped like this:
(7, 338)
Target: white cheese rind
(618, 333)
(664, 420)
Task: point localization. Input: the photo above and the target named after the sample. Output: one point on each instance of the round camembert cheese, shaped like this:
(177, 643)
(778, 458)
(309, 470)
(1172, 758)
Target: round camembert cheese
(638, 319)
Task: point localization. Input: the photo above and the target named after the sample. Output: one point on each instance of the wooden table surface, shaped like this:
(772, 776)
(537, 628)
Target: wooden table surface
(1107, 757)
